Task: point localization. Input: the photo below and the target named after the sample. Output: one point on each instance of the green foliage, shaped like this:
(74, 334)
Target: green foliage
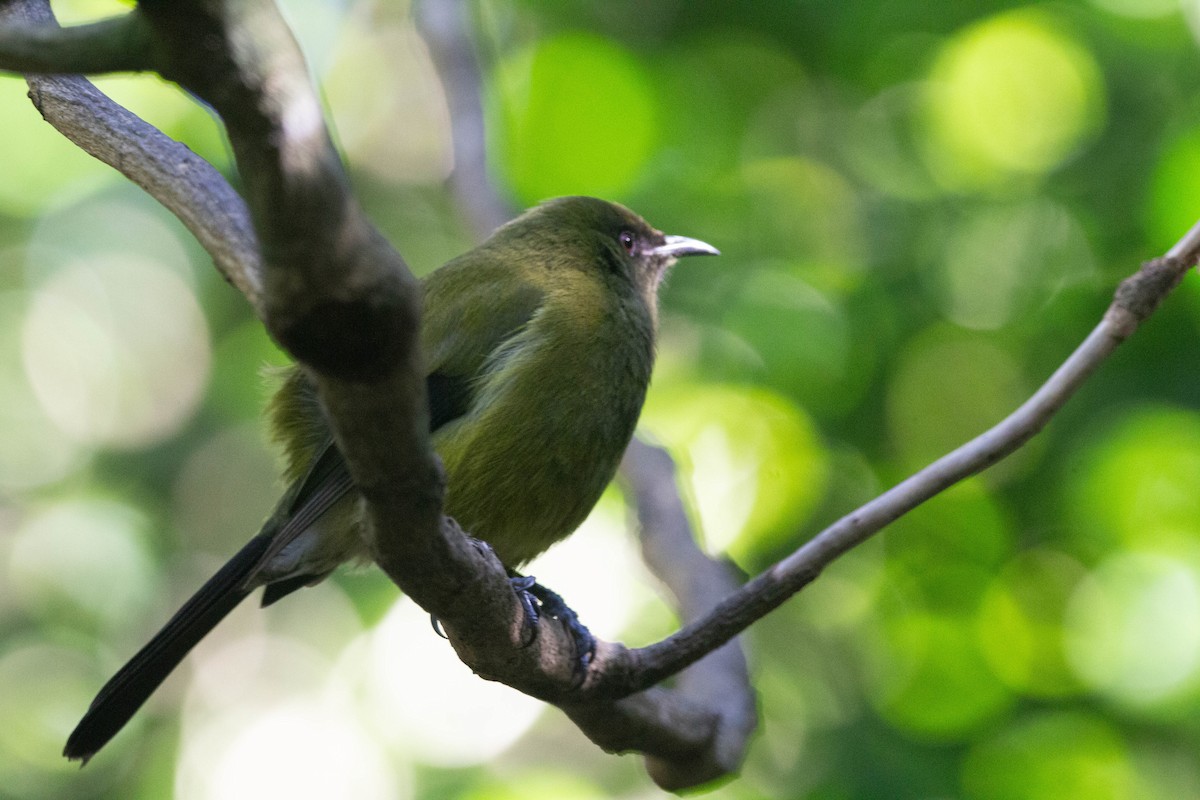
(922, 210)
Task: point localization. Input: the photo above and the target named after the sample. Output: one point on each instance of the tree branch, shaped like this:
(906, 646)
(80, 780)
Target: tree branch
(186, 185)
(344, 303)
(120, 44)
(323, 257)
(444, 27)
(337, 295)
(720, 682)
(1187, 249)
(323, 261)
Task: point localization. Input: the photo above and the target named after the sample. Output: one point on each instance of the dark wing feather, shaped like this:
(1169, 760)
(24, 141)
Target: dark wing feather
(126, 691)
(449, 398)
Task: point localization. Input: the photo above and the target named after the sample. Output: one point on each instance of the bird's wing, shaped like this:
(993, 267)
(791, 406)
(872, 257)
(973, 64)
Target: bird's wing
(328, 480)
(472, 305)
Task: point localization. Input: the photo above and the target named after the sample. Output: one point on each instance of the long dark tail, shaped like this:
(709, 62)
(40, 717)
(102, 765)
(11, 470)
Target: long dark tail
(125, 693)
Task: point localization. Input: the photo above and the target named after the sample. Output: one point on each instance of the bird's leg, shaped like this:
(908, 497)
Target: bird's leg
(553, 606)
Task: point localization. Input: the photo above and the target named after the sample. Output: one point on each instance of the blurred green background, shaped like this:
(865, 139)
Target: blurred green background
(923, 207)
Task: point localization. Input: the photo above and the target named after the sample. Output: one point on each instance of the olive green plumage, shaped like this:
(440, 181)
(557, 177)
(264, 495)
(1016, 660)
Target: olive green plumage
(538, 347)
(551, 327)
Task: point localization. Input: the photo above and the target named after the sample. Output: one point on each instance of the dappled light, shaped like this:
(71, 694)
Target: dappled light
(453, 719)
(36, 451)
(1006, 262)
(1172, 203)
(54, 678)
(1057, 755)
(1133, 632)
(1137, 486)
(756, 466)
(415, 152)
(98, 372)
(1021, 619)
(927, 414)
(318, 752)
(84, 559)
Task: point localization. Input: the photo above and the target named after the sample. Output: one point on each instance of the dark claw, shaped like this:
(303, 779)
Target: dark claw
(556, 607)
(553, 606)
(524, 587)
(437, 626)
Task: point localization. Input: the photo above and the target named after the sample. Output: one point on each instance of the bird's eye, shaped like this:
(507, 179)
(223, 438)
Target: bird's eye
(627, 241)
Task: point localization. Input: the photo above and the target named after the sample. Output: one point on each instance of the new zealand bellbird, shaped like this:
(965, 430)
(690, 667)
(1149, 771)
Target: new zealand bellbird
(538, 346)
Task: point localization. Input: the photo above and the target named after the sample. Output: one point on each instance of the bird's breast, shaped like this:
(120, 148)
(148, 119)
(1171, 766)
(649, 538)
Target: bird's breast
(552, 415)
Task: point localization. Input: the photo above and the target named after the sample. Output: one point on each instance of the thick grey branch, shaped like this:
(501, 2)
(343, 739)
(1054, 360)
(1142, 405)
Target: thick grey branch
(322, 264)
(343, 301)
(338, 296)
(120, 44)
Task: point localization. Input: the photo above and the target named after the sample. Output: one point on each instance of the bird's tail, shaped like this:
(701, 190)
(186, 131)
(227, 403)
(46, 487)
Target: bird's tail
(125, 693)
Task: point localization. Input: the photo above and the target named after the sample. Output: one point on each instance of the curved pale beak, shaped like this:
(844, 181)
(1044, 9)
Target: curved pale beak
(678, 246)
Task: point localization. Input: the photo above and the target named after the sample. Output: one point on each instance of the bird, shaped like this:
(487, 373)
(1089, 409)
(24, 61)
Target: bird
(538, 347)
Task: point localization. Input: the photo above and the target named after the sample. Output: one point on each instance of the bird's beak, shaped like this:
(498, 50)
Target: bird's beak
(678, 246)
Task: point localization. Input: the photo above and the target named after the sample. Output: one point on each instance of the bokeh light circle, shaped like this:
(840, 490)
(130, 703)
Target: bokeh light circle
(35, 451)
(1021, 623)
(1133, 631)
(754, 461)
(1012, 95)
(1058, 755)
(87, 557)
(1136, 485)
(117, 351)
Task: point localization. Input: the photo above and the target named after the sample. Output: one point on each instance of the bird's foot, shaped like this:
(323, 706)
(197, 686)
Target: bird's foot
(550, 604)
(527, 593)
(538, 601)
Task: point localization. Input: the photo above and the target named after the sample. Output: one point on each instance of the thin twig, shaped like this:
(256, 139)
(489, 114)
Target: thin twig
(1135, 300)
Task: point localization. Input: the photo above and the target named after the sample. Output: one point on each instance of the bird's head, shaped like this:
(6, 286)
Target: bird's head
(592, 234)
